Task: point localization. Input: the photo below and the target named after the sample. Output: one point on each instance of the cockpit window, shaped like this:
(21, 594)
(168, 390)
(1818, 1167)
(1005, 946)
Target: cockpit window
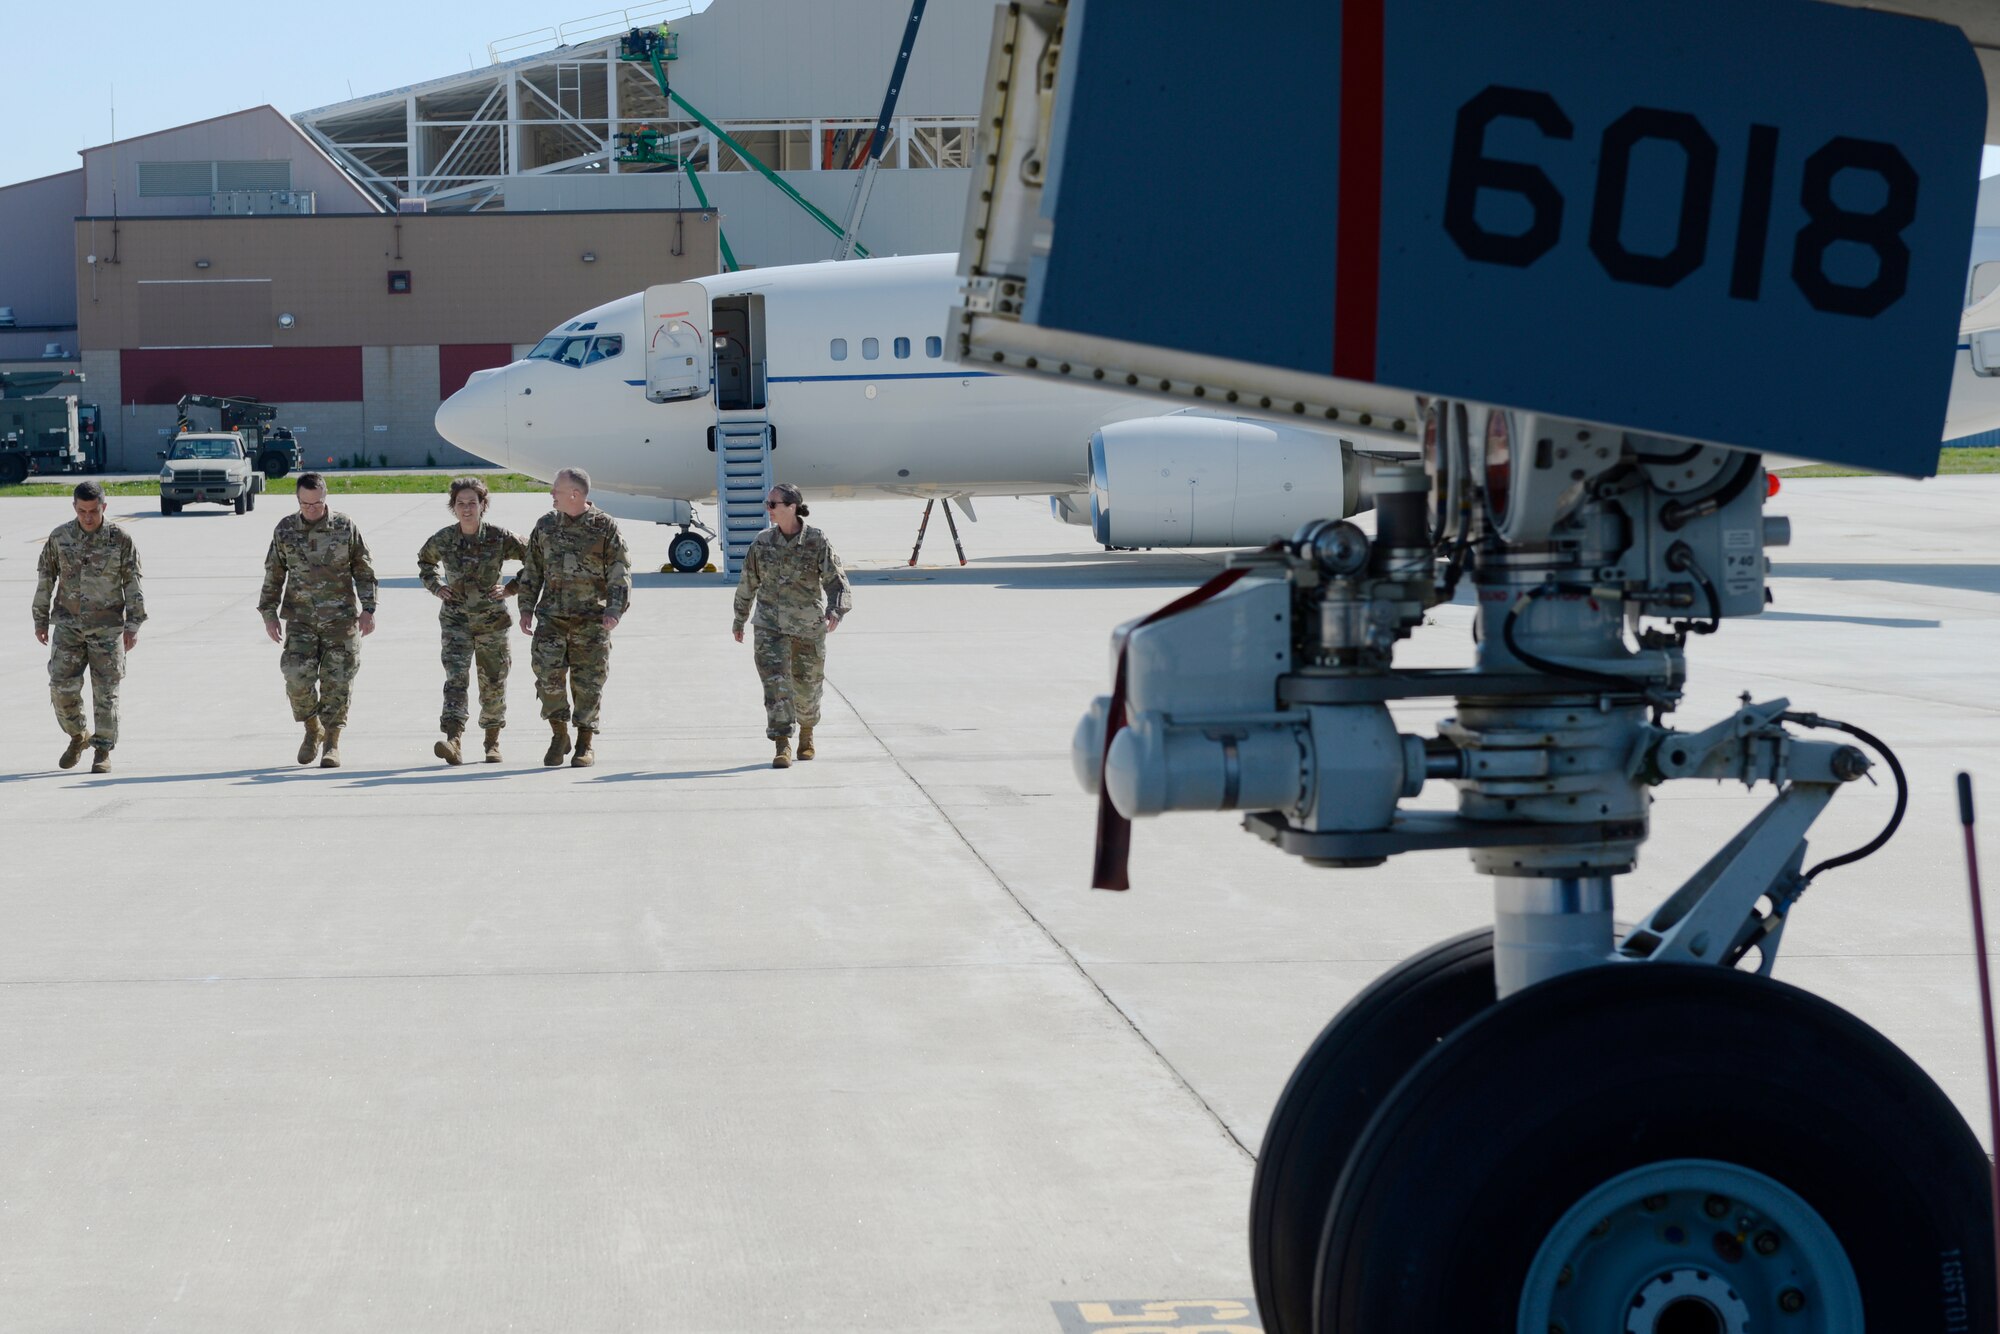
(577, 349)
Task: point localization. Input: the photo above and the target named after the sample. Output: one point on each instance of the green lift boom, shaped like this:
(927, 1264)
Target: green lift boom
(654, 46)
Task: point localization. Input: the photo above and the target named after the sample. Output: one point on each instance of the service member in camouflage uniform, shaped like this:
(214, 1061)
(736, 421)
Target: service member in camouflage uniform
(577, 578)
(87, 601)
(786, 571)
(317, 577)
(473, 620)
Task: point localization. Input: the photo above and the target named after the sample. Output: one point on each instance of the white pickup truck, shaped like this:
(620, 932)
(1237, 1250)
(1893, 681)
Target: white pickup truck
(209, 467)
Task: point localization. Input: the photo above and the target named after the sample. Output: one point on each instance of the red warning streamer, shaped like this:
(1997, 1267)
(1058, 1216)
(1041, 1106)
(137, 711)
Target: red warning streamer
(1114, 831)
(1358, 245)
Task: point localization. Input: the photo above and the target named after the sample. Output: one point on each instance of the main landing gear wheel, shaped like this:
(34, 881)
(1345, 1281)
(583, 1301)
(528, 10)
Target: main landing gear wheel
(688, 553)
(1661, 1149)
(1347, 1072)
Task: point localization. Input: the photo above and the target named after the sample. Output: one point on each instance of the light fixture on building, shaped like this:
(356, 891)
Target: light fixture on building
(287, 320)
(201, 264)
(590, 257)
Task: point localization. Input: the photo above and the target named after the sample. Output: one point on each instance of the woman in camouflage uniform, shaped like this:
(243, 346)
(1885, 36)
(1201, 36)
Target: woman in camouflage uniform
(473, 621)
(785, 572)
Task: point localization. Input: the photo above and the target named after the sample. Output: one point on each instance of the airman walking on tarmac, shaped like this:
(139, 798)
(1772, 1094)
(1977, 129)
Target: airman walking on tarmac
(577, 578)
(787, 570)
(88, 606)
(319, 583)
(473, 619)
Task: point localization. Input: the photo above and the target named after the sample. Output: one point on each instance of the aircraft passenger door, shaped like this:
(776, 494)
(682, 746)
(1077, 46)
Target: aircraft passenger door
(739, 352)
(677, 341)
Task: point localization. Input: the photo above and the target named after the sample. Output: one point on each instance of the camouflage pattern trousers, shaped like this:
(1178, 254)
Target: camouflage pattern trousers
(793, 670)
(484, 643)
(72, 651)
(572, 657)
(320, 662)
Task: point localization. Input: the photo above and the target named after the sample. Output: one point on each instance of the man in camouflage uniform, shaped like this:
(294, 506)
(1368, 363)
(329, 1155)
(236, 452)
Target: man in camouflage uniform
(87, 601)
(473, 620)
(317, 576)
(786, 571)
(577, 578)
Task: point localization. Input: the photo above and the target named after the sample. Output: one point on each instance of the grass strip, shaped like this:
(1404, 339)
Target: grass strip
(1952, 463)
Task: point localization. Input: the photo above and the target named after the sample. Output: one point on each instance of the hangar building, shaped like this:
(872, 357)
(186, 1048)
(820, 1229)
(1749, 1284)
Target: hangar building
(354, 263)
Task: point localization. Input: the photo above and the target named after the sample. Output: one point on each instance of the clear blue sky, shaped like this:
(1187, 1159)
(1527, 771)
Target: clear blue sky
(185, 61)
(174, 63)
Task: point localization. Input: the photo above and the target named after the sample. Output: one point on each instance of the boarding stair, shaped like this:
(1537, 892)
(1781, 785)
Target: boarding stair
(743, 443)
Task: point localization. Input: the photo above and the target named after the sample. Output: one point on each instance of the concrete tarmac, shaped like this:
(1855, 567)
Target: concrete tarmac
(683, 1043)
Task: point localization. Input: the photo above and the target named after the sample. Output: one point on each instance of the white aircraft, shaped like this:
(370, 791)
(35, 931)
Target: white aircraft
(1975, 373)
(834, 377)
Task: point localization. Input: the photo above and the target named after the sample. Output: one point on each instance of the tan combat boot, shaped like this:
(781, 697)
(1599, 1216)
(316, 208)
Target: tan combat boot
(448, 749)
(558, 743)
(585, 756)
(329, 756)
(73, 752)
(783, 758)
(309, 748)
(102, 763)
(806, 751)
(493, 745)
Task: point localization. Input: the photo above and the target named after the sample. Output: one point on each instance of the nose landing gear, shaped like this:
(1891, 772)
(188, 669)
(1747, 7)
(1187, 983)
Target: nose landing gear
(688, 552)
(1655, 1149)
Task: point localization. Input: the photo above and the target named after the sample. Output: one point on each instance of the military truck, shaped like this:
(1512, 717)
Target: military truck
(273, 448)
(43, 432)
(209, 467)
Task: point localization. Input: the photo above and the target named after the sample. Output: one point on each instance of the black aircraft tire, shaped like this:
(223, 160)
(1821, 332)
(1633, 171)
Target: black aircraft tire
(13, 470)
(1353, 1064)
(1486, 1193)
(275, 465)
(688, 553)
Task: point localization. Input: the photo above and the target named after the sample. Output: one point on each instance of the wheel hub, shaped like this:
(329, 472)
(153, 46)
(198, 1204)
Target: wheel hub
(1687, 1301)
(1690, 1247)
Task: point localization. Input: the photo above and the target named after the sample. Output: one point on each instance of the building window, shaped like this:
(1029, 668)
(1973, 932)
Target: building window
(253, 175)
(870, 349)
(902, 349)
(163, 179)
(399, 282)
(934, 347)
(839, 349)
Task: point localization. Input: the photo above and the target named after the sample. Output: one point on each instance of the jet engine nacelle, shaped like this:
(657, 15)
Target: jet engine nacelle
(1185, 480)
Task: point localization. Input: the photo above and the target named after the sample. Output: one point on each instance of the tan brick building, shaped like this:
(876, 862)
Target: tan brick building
(358, 325)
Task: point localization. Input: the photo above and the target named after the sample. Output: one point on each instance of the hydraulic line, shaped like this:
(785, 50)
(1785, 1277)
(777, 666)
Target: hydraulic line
(1881, 748)
(1548, 665)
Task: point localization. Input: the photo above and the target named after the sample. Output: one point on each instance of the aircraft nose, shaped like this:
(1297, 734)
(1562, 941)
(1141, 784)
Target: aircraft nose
(475, 418)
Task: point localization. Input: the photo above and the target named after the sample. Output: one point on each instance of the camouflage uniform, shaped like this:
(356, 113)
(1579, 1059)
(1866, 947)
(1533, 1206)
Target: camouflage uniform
(786, 576)
(314, 575)
(475, 625)
(87, 596)
(576, 572)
